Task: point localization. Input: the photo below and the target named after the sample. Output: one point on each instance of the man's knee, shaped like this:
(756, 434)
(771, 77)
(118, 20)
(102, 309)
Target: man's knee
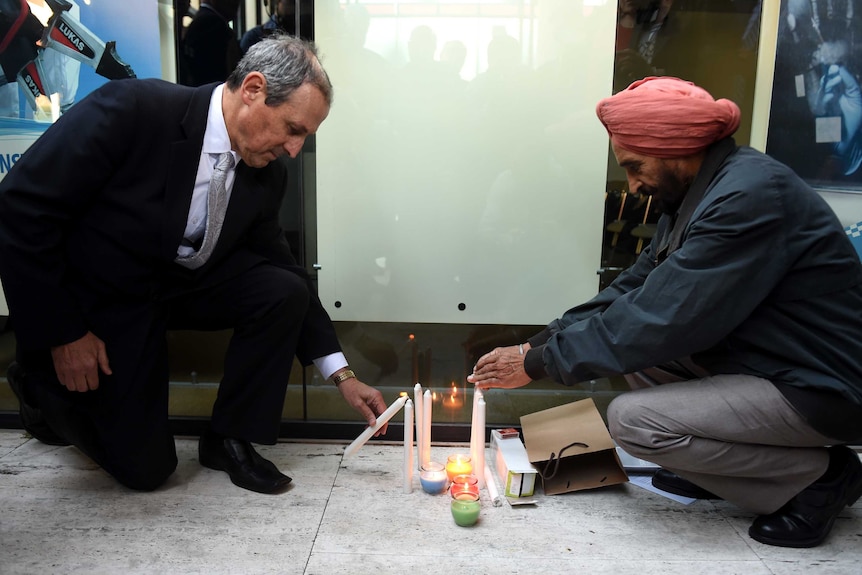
(142, 462)
(287, 293)
(624, 421)
(295, 289)
(143, 473)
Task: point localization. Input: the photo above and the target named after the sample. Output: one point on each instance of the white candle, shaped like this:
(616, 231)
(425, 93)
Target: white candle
(382, 419)
(426, 427)
(417, 394)
(408, 446)
(479, 460)
(492, 487)
(474, 432)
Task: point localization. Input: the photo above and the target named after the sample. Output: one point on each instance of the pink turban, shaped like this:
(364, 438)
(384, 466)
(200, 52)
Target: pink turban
(665, 117)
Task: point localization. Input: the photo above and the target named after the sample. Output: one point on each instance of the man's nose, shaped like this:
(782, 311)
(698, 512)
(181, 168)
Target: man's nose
(294, 146)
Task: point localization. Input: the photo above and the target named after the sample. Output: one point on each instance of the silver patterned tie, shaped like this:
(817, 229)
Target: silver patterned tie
(216, 208)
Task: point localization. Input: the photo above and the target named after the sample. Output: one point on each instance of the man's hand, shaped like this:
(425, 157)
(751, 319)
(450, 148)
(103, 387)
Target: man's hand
(365, 399)
(503, 367)
(78, 363)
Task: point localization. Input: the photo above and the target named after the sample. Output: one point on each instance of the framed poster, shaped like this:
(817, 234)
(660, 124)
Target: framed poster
(815, 123)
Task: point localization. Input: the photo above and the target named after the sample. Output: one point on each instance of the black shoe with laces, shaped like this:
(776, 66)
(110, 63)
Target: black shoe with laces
(31, 418)
(807, 519)
(246, 468)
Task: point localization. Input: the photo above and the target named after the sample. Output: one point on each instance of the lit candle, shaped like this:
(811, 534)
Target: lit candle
(427, 404)
(465, 508)
(459, 465)
(382, 419)
(433, 478)
(420, 427)
(479, 457)
(408, 446)
(465, 483)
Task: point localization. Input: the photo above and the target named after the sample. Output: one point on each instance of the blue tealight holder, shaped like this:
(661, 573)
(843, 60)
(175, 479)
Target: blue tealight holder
(433, 478)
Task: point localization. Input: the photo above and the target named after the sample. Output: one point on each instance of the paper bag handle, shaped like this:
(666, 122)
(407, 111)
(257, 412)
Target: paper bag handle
(554, 460)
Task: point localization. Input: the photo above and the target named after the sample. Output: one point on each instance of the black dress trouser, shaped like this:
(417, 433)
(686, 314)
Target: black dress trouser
(123, 426)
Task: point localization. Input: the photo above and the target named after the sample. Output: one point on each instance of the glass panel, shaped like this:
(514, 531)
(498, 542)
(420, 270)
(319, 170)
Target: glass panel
(455, 168)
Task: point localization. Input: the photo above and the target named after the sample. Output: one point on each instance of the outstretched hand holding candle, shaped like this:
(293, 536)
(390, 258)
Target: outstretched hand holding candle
(365, 399)
(382, 420)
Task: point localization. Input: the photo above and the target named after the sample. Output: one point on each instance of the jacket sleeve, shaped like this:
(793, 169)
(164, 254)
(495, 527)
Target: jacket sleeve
(630, 279)
(730, 260)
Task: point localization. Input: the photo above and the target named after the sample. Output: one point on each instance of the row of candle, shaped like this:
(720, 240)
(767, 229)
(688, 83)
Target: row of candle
(434, 478)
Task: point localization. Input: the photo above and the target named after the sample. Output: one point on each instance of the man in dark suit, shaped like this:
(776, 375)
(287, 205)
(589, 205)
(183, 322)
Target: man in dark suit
(103, 224)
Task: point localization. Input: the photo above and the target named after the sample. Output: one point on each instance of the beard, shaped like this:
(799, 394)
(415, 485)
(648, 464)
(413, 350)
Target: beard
(668, 194)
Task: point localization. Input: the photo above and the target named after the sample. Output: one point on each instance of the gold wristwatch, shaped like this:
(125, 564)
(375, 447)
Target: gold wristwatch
(346, 374)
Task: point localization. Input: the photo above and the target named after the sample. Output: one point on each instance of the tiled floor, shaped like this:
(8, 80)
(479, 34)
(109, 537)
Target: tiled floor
(61, 514)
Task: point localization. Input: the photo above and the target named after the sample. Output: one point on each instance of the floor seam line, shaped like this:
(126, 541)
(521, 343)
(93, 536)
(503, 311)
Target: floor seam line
(322, 515)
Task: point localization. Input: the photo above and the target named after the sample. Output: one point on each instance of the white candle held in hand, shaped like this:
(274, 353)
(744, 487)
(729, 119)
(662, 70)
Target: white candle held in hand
(382, 420)
(479, 459)
(474, 431)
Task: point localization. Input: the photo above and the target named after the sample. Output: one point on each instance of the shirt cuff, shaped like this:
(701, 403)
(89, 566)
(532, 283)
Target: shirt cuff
(329, 364)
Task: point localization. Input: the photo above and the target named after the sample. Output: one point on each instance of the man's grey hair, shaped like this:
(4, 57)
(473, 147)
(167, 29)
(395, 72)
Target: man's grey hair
(287, 63)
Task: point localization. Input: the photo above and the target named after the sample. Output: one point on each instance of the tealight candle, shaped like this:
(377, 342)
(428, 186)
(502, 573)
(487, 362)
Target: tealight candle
(433, 478)
(459, 465)
(465, 508)
(464, 484)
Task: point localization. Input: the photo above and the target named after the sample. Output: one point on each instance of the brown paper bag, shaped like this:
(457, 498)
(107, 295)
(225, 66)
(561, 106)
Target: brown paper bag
(571, 448)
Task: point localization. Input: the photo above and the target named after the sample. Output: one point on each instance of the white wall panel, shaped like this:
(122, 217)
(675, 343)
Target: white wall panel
(478, 184)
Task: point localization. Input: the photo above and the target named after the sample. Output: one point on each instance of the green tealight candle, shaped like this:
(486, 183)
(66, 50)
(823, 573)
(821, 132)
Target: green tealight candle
(465, 509)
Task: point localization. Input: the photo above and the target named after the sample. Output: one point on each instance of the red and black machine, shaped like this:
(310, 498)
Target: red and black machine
(23, 39)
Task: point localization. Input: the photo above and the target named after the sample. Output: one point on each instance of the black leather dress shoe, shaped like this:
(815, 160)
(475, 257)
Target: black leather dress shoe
(246, 468)
(31, 418)
(673, 483)
(807, 519)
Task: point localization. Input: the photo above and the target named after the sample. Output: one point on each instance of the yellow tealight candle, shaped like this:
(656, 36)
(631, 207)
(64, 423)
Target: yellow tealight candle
(459, 465)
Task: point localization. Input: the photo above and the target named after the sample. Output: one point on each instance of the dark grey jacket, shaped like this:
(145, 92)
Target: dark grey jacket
(765, 282)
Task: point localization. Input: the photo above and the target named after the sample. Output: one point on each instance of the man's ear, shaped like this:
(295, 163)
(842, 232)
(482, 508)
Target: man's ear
(253, 87)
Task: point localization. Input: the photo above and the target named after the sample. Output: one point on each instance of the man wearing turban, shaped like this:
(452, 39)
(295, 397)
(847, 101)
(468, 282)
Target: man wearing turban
(739, 327)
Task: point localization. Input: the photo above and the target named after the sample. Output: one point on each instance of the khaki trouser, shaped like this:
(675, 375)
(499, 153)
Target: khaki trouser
(734, 435)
